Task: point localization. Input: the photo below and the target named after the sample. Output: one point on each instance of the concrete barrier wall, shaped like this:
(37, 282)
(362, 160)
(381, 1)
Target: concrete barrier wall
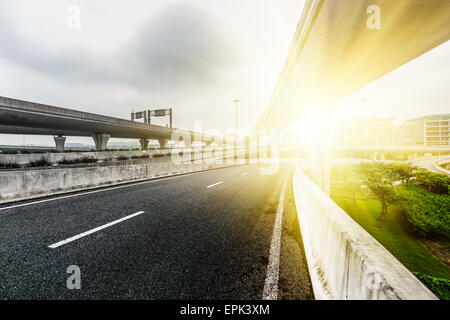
(344, 261)
(23, 159)
(26, 184)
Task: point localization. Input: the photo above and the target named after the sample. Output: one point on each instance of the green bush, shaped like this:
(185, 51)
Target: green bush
(434, 182)
(144, 156)
(84, 159)
(405, 171)
(67, 161)
(428, 213)
(439, 286)
(41, 162)
(9, 165)
(88, 159)
(122, 158)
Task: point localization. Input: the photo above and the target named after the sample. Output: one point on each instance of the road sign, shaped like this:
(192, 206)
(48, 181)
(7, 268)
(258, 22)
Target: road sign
(152, 113)
(140, 114)
(160, 112)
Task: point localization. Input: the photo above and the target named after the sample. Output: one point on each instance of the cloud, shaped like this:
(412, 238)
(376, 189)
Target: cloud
(180, 47)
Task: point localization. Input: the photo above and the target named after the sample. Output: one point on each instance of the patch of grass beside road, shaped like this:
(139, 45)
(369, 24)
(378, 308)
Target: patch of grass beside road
(406, 209)
(392, 232)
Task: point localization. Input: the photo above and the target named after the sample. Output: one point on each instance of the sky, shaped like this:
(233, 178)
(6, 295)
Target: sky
(195, 56)
(420, 87)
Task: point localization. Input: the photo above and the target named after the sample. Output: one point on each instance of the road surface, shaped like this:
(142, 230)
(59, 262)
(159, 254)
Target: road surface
(429, 163)
(199, 236)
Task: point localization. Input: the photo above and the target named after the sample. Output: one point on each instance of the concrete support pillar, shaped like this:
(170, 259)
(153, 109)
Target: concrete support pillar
(101, 140)
(224, 153)
(59, 142)
(258, 155)
(192, 148)
(163, 143)
(236, 148)
(321, 167)
(247, 150)
(321, 156)
(144, 143)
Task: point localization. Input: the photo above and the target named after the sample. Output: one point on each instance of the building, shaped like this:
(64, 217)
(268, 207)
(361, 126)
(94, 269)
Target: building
(364, 131)
(430, 130)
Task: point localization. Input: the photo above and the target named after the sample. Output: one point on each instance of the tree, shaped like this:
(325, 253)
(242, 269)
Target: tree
(433, 182)
(353, 185)
(379, 179)
(405, 171)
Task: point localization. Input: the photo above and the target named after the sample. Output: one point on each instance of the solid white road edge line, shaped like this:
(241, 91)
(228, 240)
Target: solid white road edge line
(215, 184)
(244, 174)
(271, 283)
(84, 234)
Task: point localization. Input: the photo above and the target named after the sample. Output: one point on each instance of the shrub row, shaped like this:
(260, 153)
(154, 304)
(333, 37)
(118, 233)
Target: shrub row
(428, 213)
(44, 162)
(439, 286)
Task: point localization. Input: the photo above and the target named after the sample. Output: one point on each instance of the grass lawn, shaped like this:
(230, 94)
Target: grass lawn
(392, 233)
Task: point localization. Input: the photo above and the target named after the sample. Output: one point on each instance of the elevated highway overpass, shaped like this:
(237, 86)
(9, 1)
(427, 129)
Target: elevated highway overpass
(24, 117)
(337, 49)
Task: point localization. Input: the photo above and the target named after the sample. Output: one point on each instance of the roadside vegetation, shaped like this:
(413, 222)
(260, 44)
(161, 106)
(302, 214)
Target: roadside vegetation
(159, 155)
(86, 159)
(404, 208)
(42, 150)
(144, 156)
(9, 165)
(41, 162)
(439, 286)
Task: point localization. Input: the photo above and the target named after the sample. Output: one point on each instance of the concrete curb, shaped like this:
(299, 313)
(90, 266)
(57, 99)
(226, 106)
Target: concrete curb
(18, 186)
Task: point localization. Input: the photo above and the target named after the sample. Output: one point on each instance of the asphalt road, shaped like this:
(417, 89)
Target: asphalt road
(429, 163)
(191, 238)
